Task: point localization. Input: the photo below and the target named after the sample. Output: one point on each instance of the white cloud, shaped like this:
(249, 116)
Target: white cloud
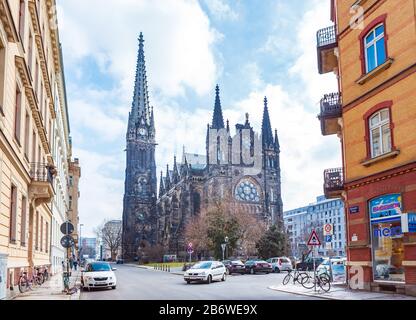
(101, 194)
(178, 33)
(220, 9)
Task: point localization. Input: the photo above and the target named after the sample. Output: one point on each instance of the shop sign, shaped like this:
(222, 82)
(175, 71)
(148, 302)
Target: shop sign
(386, 206)
(409, 222)
(354, 210)
(388, 232)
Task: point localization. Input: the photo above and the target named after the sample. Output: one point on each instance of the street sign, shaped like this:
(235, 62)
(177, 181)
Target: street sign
(67, 228)
(328, 238)
(190, 245)
(67, 241)
(328, 229)
(313, 239)
(328, 245)
(190, 250)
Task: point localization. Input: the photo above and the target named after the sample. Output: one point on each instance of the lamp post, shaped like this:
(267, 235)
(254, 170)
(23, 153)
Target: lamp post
(80, 243)
(226, 245)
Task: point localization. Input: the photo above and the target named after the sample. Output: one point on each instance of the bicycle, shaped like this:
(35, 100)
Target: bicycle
(322, 280)
(26, 283)
(297, 276)
(38, 276)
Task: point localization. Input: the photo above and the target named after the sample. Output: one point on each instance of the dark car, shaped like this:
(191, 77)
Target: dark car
(307, 264)
(120, 261)
(254, 266)
(234, 266)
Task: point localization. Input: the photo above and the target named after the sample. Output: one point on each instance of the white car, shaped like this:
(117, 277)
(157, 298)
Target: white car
(280, 264)
(207, 271)
(98, 275)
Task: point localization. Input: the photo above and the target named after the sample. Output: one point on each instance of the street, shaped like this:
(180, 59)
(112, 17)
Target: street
(140, 284)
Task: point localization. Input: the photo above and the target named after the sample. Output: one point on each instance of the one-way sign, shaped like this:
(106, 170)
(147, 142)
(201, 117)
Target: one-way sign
(313, 239)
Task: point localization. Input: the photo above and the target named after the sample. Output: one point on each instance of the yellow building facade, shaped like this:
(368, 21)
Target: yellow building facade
(371, 48)
(31, 95)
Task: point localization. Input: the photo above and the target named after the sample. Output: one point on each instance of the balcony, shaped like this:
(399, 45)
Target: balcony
(41, 186)
(326, 44)
(333, 183)
(331, 112)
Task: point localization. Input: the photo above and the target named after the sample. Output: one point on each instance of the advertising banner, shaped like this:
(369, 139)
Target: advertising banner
(339, 273)
(386, 206)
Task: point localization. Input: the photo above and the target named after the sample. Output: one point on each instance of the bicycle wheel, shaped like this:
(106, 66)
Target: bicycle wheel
(286, 279)
(324, 285)
(23, 285)
(39, 279)
(302, 277)
(308, 281)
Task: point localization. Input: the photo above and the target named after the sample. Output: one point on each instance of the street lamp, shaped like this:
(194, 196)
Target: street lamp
(80, 243)
(226, 245)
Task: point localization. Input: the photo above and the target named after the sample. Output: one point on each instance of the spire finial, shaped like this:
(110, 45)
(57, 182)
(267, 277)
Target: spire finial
(217, 120)
(266, 130)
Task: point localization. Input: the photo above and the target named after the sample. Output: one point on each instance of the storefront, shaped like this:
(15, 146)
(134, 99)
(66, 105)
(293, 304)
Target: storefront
(387, 238)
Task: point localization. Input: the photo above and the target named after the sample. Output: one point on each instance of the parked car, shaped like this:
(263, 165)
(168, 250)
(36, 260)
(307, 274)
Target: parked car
(280, 264)
(234, 266)
(254, 266)
(307, 264)
(120, 261)
(98, 275)
(207, 271)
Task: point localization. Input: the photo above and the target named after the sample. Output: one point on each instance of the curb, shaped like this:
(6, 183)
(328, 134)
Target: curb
(304, 294)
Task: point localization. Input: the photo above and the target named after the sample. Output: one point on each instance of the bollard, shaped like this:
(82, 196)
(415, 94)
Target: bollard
(168, 268)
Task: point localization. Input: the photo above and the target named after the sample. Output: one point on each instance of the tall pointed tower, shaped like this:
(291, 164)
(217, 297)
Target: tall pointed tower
(139, 213)
(273, 204)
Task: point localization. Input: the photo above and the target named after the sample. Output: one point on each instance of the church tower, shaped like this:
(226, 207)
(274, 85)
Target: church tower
(273, 205)
(139, 205)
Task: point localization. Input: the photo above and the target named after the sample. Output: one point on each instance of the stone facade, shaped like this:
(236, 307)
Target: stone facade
(34, 141)
(244, 168)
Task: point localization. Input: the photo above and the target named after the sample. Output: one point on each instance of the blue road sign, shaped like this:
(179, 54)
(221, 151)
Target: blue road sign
(328, 238)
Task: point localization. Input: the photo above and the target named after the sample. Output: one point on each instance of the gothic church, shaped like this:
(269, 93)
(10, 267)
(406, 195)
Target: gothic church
(228, 169)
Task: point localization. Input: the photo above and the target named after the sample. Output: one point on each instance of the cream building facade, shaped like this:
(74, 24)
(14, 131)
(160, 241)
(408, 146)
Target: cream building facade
(34, 141)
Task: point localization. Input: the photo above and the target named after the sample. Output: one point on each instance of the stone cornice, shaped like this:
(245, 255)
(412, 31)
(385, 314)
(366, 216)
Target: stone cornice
(7, 20)
(31, 97)
(50, 4)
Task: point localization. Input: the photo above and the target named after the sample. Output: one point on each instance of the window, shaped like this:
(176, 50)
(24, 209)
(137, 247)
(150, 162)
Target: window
(30, 53)
(37, 231)
(22, 20)
(375, 48)
(27, 135)
(2, 75)
(13, 214)
(47, 237)
(23, 222)
(70, 202)
(380, 133)
(17, 114)
(34, 146)
(41, 233)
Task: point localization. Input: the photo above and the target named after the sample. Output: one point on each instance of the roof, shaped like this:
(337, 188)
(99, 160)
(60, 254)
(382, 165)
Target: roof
(197, 161)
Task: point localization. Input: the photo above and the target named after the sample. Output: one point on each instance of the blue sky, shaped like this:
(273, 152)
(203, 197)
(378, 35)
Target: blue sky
(250, 48)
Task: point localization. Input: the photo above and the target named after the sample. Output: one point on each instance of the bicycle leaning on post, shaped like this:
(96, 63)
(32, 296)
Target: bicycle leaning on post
(297, 276)
(323, 280)
(27, 283)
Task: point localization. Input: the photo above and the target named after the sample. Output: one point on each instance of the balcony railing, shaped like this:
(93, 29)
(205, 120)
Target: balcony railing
(326, 36)
(42, 172)
(331, 105)
(333, 182)
(327, 42)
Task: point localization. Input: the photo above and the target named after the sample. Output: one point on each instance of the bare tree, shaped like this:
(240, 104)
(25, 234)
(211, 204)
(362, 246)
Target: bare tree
(110, 233)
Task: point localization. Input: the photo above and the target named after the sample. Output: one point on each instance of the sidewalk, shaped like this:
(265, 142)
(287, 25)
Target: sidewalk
(52, 289)
(339, 292)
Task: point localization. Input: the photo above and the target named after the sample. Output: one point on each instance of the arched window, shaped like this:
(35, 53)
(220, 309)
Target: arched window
(380, 133)
(375, 48)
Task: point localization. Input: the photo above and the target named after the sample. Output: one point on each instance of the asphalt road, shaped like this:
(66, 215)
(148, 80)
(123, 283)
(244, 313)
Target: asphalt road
(140, 284)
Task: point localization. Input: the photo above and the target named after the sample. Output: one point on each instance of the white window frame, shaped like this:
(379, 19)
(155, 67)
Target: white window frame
(373, 43)
(379, 126)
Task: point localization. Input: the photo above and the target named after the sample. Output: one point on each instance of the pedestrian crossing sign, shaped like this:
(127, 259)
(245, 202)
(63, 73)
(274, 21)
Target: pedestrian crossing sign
(313, 239)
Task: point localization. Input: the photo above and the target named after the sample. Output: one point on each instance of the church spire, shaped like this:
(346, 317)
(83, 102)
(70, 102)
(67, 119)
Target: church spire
(266, 128)
(217, 119)
(140, 106)
(161, 185)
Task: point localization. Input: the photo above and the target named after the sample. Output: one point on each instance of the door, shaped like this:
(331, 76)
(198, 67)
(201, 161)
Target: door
(3, 276)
